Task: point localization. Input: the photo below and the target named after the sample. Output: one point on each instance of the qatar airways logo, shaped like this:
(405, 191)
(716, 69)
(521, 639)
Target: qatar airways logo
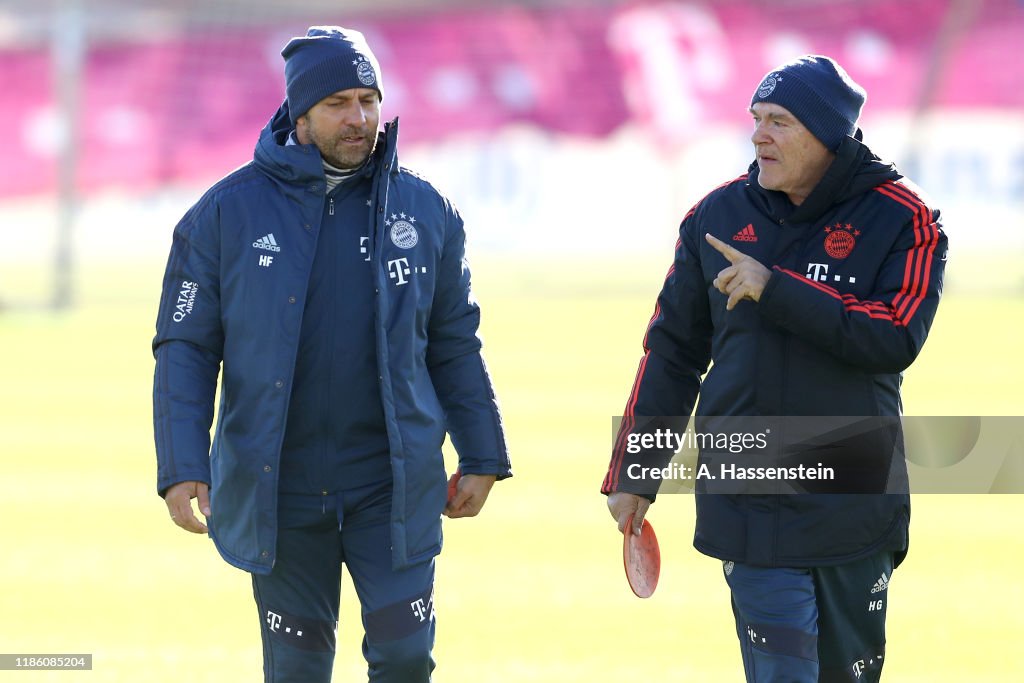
(186, 300)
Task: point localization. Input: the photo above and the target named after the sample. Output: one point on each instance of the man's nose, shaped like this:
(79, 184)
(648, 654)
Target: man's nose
(354, 115)
(759, 136)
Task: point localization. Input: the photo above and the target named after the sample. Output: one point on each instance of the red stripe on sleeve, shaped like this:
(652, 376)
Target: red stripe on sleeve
(921, 255)
(926, 248)
(657, 312)
(873, 309)
(912, 272)
(909, 274)
(628, 422)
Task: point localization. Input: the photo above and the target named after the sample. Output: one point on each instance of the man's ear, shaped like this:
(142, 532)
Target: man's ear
(301, 126)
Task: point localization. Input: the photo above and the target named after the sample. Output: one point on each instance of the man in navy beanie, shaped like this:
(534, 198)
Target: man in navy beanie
(807, 285)
(327, 287)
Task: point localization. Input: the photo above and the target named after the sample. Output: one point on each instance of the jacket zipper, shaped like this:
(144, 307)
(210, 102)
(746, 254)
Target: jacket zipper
(330, 372)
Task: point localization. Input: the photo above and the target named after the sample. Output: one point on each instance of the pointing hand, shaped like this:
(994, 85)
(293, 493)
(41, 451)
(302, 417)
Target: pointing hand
(745, 278)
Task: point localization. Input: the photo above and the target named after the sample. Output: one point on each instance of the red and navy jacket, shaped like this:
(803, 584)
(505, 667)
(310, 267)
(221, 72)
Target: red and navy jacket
(856, 279)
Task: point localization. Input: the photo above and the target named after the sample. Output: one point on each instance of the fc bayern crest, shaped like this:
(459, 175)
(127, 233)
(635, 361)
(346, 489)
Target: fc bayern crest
(840, 240)
(365, 74)
(404, 235)
(767, 86)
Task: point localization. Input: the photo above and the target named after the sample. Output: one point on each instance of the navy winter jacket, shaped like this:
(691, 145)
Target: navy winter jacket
(856, 280)
(232, 301)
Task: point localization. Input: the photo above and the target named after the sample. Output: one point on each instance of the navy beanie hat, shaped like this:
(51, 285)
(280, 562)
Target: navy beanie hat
(327, 59)
(819, 93)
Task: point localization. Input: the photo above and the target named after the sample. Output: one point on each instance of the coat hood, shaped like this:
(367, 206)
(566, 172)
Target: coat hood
(855, 170)
(300, 166)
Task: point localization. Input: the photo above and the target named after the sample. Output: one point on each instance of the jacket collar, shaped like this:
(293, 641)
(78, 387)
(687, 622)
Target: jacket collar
(855, 170)
(298, 168)
(387, 146)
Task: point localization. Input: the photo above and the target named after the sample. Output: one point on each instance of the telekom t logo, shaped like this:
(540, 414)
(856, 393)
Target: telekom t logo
(423, 608)
(397, 270)
(419, 608)
(274, 621)
(817, 271)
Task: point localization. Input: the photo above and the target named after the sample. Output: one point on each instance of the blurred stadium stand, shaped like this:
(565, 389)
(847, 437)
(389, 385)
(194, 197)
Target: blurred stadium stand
(519, 107)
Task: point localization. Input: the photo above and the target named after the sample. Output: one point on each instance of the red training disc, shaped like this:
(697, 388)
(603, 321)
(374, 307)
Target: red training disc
(641, 558)
(453, 482)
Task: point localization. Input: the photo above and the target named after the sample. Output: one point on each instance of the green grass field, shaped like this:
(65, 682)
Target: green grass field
(533, 590)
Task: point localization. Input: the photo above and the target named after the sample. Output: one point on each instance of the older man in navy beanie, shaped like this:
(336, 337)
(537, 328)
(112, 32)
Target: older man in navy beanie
(807, 285)
(819, 93)
(328, 287)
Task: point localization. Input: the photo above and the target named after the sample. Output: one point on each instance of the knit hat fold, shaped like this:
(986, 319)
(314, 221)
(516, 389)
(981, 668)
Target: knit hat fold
(327, 59)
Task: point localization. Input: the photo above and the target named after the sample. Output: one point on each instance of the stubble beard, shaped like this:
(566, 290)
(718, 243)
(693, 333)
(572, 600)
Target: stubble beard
(341, 155)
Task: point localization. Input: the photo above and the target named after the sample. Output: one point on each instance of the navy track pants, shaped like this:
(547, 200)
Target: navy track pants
(812, 625)
(298, 601)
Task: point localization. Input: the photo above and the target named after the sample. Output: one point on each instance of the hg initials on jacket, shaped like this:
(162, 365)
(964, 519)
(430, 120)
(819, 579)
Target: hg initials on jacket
(233, 296)
(856, 279)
